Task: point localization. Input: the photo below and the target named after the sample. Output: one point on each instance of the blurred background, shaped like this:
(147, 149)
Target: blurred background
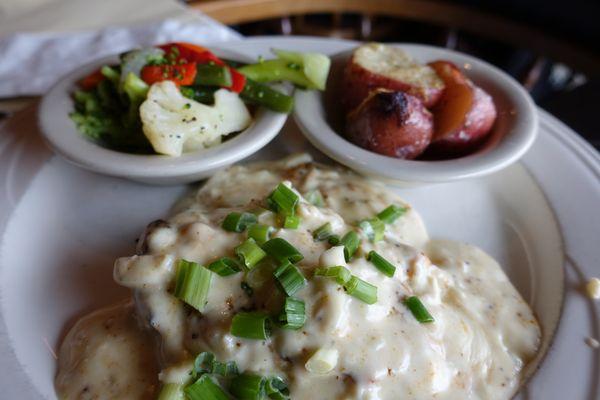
(552, 48)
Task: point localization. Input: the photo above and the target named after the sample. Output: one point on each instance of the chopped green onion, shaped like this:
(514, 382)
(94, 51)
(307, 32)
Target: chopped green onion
(277, 389)
(171, 391)
(293, 315)
(374, 228)
(262, 273)
(350, 241)
(417, 309)
(251, 325)
(391, 213)
(315, 198)
(323, 232)
(283, 199)
(205, 389)
(333, 240)
(212, 75)
(290, 278)
(226, 370)
(192, 284)
(250, 253)
(381, 263)
(247, 288)
(362, 290)
(225, 266)
(281, 250)
(248, 387)
(260, 233)
(238, 222)
(323, 361)
(338, 273)
(291, 222)
(205, 363)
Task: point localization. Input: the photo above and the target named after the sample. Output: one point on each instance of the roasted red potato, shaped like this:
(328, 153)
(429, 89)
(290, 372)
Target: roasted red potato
(464, 115)
(394, 124)
(376, 65)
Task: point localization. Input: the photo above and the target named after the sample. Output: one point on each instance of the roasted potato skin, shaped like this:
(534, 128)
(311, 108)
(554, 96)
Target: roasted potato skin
(463, 117)
(358, 82)
(374, 65)
(391, 123)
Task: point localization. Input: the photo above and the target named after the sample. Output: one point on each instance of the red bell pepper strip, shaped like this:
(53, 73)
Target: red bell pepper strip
(181, 74)
(92, 80)
(192, 53)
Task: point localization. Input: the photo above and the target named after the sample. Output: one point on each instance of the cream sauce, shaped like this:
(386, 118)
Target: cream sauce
(106, 355)
(483, 334)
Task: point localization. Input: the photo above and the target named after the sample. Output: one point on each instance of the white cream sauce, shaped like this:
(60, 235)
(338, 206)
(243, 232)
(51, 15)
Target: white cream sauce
(107, 356)
(483, 334)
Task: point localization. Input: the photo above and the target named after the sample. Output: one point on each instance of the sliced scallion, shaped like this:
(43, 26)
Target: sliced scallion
(323, 232)
(374, 228)
(171, 391)
(362, 290)
(323, 361)
(315, 198)
(339, 273)
(290, 278)
(250, 253)
(251, 325)
(350, 241)
(225, 266)
(416, 307)
(205, 363)
(391, 213)
(381, 263)
(291, 222)
(248, 387)
(260, 233)
(283, 199)
(277, 389)
(293, 315)
(333, 240)
(238, 222)
(205, 389)
(192, 284)
(281, 250)
(225, 369)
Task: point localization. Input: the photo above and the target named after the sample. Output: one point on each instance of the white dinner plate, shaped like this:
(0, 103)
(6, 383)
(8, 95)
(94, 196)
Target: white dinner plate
(61, 227)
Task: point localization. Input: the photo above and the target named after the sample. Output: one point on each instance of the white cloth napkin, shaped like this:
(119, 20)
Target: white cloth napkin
(31, 62)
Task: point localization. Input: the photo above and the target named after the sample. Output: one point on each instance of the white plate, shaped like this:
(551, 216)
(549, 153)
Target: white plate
(61, 228)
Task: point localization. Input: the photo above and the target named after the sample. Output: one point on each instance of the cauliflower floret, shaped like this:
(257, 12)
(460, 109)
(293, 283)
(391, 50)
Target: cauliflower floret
(174, 124)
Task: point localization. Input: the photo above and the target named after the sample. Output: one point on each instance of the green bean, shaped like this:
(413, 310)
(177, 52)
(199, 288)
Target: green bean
(212, 75)
(262, 95)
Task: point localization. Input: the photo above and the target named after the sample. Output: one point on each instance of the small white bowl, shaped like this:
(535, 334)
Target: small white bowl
(62, 135)
(320, 117)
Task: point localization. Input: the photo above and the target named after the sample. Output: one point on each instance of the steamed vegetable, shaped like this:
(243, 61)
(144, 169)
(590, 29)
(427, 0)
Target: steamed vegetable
(308, 70)
(109, 115)
(187, 52)
(262, 95)
(133, 61)
(182, 74)
(181, 97)
(174, 123)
